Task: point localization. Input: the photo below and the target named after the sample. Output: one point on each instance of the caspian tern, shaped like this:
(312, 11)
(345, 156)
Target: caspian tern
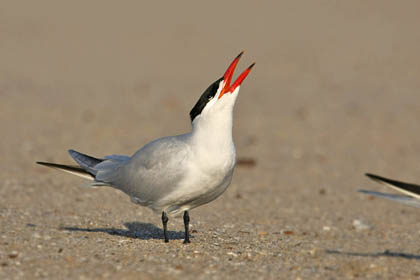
(411, 191)
(175, 174)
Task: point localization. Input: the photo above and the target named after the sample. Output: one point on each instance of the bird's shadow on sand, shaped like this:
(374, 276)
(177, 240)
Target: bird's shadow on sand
(385, 253)
(138, 230)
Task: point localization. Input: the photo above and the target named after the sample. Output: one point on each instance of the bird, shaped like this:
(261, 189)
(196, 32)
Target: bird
(174, 174)
(411, 191)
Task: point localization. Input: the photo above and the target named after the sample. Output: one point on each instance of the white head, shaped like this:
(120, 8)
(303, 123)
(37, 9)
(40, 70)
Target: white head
(215, 105)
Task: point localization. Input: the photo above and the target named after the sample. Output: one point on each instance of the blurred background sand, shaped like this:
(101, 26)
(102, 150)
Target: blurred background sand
(334, 94)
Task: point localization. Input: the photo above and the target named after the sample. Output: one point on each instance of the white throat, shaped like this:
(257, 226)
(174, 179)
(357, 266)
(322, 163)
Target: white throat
(213, 127)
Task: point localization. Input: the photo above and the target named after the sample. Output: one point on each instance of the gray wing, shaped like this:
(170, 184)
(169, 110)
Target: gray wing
(155, 170)
(405, 199)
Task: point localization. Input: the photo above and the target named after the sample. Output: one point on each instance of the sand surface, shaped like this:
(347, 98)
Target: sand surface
(335, 93)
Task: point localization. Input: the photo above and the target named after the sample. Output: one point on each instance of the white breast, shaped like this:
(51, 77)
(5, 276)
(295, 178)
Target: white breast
(204, 182)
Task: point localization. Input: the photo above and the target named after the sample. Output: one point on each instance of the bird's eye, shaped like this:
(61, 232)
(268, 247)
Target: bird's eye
(210, 97)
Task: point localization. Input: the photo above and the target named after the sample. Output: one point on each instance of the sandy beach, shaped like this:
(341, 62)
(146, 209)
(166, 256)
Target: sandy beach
(335, 93)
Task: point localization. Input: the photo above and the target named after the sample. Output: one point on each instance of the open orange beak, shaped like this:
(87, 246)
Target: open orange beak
(229, 74)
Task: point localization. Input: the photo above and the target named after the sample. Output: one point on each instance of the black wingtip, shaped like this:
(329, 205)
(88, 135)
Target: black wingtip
(373, 176)
(71, 168)
(381, 179)
(49, 164)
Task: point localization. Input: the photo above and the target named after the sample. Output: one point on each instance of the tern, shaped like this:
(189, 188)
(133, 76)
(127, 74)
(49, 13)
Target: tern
(175, 174)
(411, 191)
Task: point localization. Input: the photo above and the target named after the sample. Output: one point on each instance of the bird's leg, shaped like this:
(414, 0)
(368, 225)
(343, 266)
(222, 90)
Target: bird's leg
(165, 222)
(186, 224)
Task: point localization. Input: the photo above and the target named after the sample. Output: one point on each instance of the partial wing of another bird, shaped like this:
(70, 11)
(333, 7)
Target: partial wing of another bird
(406, 188)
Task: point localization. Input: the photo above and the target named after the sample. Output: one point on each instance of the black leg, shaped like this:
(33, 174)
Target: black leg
(186, 224)
(165, 222)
